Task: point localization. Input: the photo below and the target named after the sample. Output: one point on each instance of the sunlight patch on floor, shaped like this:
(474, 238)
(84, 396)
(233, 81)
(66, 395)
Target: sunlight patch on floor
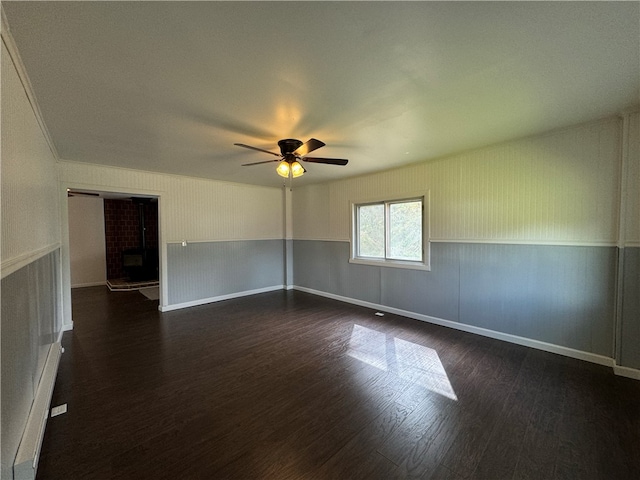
(410, 361)
(422, 365)
(368, 346)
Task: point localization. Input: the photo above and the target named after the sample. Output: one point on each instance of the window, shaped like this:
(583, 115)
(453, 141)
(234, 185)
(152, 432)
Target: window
(391, 233)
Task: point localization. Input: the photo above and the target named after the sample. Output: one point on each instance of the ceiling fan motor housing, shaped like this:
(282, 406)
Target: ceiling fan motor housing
(287, 147)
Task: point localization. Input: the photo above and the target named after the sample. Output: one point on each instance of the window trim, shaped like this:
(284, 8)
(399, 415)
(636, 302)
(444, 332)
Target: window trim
(425, 264)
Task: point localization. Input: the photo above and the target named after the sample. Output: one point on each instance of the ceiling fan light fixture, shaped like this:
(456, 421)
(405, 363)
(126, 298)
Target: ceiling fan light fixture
(297, 170)
(292, 150)
(283, 169)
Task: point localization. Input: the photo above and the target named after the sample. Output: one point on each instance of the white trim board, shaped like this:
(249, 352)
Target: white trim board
(527, 342)
(222, 240)
(543, 243)
(626, 372)
(14, 264)
(204, 301)
(495, 241)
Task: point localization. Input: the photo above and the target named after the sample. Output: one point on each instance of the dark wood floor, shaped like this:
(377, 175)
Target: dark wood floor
(287, 385)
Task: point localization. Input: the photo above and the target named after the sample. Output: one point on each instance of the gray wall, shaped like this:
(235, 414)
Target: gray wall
(562, 295)
(630, 334)
(288, 256)
(209, 269)
(29, 327)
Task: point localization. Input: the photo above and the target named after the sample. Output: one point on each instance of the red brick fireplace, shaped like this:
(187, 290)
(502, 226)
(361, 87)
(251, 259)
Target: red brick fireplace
(123, 232)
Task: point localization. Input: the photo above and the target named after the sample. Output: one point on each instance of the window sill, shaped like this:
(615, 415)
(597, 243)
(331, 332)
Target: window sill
(391, 263)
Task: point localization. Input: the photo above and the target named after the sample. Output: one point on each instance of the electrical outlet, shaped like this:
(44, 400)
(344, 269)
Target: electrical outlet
(59, 410)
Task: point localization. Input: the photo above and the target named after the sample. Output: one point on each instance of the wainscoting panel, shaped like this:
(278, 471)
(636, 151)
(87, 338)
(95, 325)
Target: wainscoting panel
(630, 347)
(44, 284)
(29, 328)
(288, 255)
(204, 270)
(325, 266)
(556, 294)
(434, 293)
(18, 364)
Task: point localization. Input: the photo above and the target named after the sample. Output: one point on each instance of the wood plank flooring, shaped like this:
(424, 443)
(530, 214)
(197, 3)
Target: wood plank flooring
(287, 385)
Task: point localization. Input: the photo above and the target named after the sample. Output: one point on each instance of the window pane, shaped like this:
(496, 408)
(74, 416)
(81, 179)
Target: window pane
(405, 231)
(371, 231)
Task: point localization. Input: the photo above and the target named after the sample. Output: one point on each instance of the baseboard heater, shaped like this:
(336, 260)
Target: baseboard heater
(26, 463)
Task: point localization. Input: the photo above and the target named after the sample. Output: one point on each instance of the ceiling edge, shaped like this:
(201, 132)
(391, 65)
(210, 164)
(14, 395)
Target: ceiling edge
(9, 42)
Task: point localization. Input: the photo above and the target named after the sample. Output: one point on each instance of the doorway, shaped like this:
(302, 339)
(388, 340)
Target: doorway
(114, 241)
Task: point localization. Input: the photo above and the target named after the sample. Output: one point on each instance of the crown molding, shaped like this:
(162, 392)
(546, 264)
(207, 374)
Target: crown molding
(9, 43)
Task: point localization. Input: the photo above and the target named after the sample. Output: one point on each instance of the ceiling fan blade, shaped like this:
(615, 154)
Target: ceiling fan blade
(307, 147)
(256, 148)
(258, 163)
(329, 161)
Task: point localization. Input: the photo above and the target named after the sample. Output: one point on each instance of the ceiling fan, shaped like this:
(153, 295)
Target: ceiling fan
(291, 151)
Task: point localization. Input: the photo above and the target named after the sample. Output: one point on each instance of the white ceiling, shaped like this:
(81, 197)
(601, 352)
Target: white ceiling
(171, 86)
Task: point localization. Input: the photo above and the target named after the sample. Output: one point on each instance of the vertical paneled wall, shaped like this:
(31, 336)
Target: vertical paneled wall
(30, 258)
(523, 238)
(209, 270)
(30, 220)
(630, 278)
(557, 188)
(630, 327)
(192, 209)
(205, 214)
(631, 183)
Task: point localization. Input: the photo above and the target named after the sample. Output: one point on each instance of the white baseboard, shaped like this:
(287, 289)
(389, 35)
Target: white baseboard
(67, 327)
(90, 284)
(204, 301)
(626, 372)
(527, 342)
(26, 462)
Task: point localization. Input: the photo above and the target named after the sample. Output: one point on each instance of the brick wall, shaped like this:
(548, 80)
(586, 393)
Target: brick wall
(122, 231)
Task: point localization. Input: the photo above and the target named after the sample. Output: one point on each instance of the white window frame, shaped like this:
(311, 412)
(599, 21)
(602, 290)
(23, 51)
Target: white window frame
(425, 264)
